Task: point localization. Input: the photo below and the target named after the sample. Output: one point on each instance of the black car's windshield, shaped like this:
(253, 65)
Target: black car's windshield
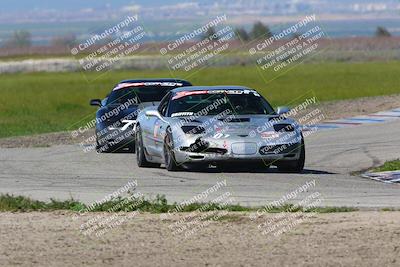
(211, 103)
(138, 94)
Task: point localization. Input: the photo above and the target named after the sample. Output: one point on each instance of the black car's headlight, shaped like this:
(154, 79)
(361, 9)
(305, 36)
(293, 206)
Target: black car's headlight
(193, 129)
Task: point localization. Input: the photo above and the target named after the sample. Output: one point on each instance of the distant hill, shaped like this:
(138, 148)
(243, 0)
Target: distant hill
(48, 18)
(361, 5)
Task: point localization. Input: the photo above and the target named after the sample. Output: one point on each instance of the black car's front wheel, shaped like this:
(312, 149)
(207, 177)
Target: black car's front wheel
(140, 156)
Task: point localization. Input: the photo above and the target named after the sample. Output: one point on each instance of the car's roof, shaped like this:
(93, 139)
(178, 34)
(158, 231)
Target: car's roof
(186, 83)
(219, 87)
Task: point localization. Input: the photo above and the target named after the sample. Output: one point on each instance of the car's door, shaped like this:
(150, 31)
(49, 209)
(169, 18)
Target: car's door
(154, 129)
(161, 125)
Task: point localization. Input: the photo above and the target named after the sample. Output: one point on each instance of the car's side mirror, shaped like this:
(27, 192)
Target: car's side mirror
(153, 113)
(282, 110)
(95, 102)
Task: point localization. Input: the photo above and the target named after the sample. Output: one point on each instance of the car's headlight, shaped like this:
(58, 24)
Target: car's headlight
(193, 129)
(113, 125)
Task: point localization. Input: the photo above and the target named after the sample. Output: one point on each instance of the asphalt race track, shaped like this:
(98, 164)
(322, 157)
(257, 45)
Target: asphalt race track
(63, 172)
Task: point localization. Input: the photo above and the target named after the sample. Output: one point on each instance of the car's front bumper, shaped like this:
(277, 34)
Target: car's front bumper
(239, 150)
(118, 138)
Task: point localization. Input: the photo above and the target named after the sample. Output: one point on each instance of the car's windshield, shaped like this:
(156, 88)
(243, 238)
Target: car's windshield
(211, 103)
(138, 94)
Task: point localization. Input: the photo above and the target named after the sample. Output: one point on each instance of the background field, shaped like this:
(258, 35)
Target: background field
(47, 102)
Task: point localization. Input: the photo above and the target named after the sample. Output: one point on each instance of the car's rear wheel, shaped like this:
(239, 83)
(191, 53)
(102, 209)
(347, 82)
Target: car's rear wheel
(140, 156)
(169, 156)
(294, 166)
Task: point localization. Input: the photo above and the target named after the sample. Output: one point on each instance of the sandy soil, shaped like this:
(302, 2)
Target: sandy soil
(360, 106)
(331, 110)
(45, 140)
(367, 238)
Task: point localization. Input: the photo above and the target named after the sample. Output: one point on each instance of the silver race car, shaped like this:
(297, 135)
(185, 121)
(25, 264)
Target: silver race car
(203, 125)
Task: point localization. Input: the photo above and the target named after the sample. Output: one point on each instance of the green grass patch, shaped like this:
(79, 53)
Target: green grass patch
(389, 209)
(20, 203)
(157, 205)
(393, 165)
(48, 102)
(333, 209)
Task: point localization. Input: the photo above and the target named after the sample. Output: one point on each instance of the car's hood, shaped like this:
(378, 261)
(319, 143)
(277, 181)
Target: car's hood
(238, 124)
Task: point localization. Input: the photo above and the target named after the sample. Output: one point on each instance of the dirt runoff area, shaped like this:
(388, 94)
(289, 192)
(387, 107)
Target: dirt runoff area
(366, 238)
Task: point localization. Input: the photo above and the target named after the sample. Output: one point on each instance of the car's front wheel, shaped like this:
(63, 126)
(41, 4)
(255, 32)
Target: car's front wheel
(169, 156)
(294, 166)
(140, 156)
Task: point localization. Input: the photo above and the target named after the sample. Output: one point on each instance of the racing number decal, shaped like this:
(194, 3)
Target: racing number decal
(127, 124)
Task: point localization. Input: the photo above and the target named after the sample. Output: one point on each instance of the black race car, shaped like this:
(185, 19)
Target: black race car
(116, 117)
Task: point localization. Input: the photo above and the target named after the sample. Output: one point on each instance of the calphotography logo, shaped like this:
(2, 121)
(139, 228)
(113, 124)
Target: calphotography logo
(209, 209)
(124, 199)
(102, 51)
(199, 47)
(296, 207)
(281, 51)
(121, 127)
